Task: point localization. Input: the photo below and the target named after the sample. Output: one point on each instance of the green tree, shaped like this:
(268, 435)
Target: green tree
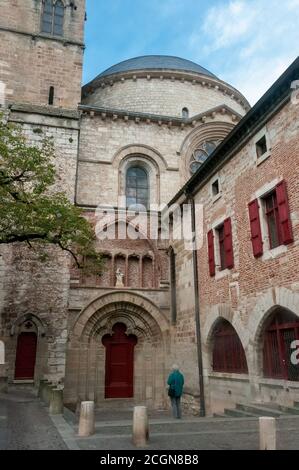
(31, 211)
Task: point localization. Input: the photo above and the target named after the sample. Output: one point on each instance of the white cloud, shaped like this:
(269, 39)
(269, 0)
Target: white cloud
(253, 41)
(226, 24)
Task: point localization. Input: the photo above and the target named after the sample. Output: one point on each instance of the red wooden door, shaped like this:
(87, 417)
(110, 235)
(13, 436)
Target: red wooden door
(26, 356)
(119, 376)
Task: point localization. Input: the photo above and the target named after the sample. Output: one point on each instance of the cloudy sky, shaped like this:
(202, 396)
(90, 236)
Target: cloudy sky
(247, 43)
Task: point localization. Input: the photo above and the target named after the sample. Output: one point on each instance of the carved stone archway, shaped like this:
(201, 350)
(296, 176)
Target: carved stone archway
(85, 367)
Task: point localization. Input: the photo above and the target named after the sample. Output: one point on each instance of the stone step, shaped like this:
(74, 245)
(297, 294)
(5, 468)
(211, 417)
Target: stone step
(259, 410)
(291, 410)
(237, 413)
(218, 415)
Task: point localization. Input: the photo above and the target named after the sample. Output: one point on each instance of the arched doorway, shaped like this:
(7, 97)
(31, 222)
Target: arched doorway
(119, 369)
(26, 356)
(281, 331)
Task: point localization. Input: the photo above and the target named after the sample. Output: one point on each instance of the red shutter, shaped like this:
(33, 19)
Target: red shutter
(284, 213)
(255, 225)
(211, 253)
(228, 244)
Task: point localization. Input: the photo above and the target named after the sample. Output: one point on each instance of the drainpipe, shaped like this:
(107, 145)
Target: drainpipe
(202, 410)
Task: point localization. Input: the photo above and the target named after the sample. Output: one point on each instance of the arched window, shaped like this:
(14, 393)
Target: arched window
(200, 155)
(137, 190)
(58, 18)
(228, 352)
(53, 17)
(185, 113)
(278, 341)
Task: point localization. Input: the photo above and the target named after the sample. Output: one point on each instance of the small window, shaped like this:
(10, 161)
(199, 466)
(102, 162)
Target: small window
(185, 113)
(261, 147)
(51, 96)
(273, 221)
(221, 239)
(215, 188)
(225, 242)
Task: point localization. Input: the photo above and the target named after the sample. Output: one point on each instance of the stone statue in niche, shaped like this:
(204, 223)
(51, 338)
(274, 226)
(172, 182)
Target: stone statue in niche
(119, 278)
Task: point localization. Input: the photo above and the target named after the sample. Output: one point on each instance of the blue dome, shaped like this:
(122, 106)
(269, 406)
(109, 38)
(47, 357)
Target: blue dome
(156, 62)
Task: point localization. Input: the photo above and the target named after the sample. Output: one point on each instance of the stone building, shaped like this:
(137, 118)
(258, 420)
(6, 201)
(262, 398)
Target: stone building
(134, 136)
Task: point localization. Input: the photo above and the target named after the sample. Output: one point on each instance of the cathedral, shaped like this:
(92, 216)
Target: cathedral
(153, 132)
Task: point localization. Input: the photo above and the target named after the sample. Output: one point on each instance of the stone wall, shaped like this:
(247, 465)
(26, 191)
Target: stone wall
(167, 96)
(32, 290)
(32, 62)
(106, 144)
(247, 294)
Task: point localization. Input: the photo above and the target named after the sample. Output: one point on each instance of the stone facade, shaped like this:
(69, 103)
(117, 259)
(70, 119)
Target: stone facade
(32, 62)
(134, 118)
(247, 295)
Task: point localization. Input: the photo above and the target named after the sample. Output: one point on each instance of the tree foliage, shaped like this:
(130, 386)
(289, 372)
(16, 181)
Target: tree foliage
(31, 211)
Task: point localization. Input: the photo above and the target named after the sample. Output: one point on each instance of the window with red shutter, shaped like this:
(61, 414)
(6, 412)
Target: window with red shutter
(255, 225)
(285, 223)
(228, 244)
(211, 253)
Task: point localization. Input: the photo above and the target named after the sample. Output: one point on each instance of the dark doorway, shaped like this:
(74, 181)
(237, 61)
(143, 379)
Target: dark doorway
(119, 378)
(26, 356)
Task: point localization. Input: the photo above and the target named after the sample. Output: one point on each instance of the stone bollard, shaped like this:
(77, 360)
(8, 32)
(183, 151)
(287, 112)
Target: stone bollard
(56, 402)
(45, 384)
(41, 386)
(86, 421)
(267, 433)
(140, 426)
(47, 390)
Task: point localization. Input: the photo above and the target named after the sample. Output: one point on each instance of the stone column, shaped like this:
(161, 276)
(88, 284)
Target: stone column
(86, 422)
(267, 433)
(56, 402)
(140, 426)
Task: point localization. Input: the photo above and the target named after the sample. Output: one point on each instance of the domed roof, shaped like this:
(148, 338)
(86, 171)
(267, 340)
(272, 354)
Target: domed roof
(156, 62)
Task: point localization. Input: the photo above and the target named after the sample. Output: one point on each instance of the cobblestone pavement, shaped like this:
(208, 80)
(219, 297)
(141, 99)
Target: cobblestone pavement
(25, 423)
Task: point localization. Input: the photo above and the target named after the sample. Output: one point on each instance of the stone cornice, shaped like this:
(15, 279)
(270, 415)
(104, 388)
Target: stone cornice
(45, 111)
(169, 121)
(33, 36)
(172, 75)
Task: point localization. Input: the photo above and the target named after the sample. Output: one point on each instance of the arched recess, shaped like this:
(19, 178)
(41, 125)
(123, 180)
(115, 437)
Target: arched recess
(85, 367)
(137, 245)
(266, 305)
(146, 158)
(212, 131)
(28, 317)
(225, 312)
(276, 336)
(23, 331)
(227, 352)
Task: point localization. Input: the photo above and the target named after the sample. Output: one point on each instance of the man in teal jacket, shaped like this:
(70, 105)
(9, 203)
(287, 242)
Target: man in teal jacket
(175, 391)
